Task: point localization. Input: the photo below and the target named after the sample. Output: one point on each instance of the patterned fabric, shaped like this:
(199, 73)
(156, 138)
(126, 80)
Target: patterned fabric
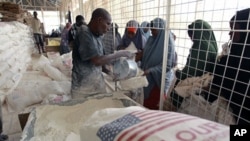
(64, 45)
(64, 37)
(141, 125)
(73, 31)
(109, 131)
(109, 44)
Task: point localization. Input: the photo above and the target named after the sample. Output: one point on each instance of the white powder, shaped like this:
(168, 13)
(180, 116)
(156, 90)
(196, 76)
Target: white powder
(62, 123)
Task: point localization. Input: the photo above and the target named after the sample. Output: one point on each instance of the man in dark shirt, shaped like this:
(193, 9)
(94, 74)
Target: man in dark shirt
(88, 56)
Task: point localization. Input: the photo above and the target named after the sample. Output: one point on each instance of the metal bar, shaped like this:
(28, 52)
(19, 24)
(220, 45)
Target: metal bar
(164, 64)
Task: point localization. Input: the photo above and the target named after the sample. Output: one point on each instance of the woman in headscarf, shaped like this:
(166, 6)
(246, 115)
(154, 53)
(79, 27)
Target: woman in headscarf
(145, 29)
(202, 56)
(152, 61)
(132, 34)
(232, 73)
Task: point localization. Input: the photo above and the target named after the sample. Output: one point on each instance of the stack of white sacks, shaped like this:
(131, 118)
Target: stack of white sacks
(26, 78)
(15, 51)
(47, 80)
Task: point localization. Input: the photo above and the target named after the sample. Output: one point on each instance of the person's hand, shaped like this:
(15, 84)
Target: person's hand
(146, 72)
(138, 56)
(124, 53)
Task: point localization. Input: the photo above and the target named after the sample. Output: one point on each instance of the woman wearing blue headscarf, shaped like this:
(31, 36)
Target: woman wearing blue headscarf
(145, 29)
(152, 60)
(133, 34)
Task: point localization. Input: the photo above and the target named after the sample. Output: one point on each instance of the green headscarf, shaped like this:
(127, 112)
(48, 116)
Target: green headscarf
(203, 52)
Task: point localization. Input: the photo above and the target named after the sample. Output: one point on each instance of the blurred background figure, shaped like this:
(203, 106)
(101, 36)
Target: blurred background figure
(64, 45)
(74, 28)
(145, 29)
(37, 31)
(111, 39)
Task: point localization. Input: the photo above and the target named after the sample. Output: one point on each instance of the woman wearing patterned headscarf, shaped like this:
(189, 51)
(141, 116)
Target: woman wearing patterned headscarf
(232, 73)
(202, 56)
(152, 61)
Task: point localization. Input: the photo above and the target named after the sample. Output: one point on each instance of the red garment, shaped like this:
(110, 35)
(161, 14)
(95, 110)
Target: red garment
(131, 29)
(153, 101)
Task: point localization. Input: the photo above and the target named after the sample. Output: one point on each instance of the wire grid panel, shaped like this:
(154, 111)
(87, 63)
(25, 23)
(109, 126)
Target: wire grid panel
(223, 103)
(182, 14)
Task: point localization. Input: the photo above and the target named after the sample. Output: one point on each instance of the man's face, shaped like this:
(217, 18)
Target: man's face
(35, 14)
(81, 22)
(104, 25)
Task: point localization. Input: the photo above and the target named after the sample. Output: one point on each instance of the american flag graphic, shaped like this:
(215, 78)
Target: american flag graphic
(140, 125)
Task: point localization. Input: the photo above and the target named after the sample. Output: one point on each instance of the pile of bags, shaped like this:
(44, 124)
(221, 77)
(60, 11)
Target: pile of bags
(15, 52)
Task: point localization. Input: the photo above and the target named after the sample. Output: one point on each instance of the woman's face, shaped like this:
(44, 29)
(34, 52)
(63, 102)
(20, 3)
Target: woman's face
(234, 35)
(131, 34)
(154, 32)
(145, 30)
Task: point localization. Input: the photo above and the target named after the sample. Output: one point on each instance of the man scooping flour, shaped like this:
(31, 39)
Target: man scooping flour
(88, 57)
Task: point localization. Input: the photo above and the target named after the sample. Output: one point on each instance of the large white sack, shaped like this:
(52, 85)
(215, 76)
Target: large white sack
(35, 75)
(5, 76)
(64, 63)
(62, 121)
(5, 27)
(125, 124)
(6, 45)
(217, 111)
(4, 67)
(7, 54)
(39, 65)
(31, 92)
(52, 55)
(11, 83)
(54, 73)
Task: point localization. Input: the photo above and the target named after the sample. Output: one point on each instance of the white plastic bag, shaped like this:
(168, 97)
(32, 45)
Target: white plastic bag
(54, 73)
(31, 92)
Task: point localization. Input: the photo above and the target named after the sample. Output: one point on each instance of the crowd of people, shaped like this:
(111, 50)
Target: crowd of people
(99, 43)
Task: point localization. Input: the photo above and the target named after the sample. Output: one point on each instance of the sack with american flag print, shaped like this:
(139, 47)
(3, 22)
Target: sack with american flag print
(138, 124)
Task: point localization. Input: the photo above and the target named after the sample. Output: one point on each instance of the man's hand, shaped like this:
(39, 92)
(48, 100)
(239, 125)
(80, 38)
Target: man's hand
(124, 53)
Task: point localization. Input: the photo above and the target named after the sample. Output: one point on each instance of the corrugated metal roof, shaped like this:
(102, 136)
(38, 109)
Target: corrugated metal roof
(47, 5)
